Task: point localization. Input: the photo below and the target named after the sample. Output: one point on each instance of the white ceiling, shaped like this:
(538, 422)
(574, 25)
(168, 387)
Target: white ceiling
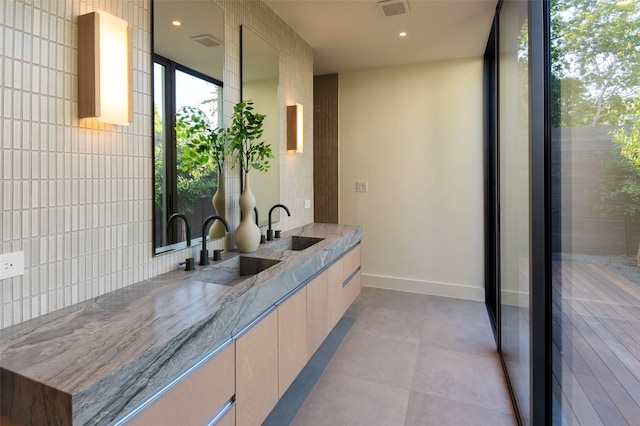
(349, 35)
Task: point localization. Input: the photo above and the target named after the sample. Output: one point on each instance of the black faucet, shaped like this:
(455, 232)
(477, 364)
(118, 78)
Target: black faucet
(270, 231)
(204, 253)
(255, 210)
(189, 263)
(186, 223)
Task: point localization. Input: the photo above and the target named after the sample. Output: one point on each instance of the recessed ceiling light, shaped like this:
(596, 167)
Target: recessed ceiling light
(176, 23)
(402, 34)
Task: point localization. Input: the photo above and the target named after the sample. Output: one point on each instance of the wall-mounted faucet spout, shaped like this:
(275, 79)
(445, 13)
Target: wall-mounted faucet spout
(204, 253)
(270, 231)
(186, 224)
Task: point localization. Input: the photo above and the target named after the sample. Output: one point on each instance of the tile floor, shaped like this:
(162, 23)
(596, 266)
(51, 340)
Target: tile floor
(408, 359)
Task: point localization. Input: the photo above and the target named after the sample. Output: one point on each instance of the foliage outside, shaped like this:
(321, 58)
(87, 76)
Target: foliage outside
(200, 153)
(621, 182)
(595, 81)
(595, 56)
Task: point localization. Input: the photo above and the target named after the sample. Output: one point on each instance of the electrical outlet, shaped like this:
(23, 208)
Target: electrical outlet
(11, 264)
(307, 204)
(362, 186)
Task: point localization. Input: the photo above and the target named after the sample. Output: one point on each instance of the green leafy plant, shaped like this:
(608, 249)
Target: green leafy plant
(204, 143)
(243, 135)
(620, 187)
(621, 182)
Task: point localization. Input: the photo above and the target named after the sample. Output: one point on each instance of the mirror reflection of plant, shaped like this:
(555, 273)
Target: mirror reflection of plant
(158, 160)
(246, 128)
(203, 142)
(200, 154)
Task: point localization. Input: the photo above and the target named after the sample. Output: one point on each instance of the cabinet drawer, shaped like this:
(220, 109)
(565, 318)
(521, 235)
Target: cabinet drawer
(351, 290)
(257, 371)
(292, 339)
(316, 312)
(350, 262)
(196, 399)
(229, 419)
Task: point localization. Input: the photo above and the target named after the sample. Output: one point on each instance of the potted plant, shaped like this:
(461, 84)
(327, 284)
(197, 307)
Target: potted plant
(251, 153)
(204, 150)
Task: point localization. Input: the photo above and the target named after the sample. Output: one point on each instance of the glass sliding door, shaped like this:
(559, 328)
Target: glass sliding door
(514, 196)
(595, 193)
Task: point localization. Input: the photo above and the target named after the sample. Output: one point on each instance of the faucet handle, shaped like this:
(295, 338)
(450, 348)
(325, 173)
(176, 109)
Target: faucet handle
(217, 254)
(204, 256)
(278, 232)
(190, 264)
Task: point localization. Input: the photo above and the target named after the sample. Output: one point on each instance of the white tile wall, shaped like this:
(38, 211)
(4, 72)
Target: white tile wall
(76, 195)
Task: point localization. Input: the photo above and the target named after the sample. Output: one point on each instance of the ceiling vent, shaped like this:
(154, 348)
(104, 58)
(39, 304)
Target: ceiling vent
(207, 40)
(393, 7)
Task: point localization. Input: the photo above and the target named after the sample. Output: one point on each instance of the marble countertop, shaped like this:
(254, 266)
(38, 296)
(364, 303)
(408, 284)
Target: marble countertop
(111, 353)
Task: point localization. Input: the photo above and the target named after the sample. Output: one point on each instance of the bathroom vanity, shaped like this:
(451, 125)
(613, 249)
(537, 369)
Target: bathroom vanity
(218, 345)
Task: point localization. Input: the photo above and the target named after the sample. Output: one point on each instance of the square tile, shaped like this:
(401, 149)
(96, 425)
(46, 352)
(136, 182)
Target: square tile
(348, 401)
(459, 334)
(382, 322)
(400, 301)
(462, 377)
(379, 359)
(428, 410)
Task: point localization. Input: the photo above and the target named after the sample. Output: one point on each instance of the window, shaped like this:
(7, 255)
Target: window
(180, 185)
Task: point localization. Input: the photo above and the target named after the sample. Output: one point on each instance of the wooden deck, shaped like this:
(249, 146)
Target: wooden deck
(596, 330)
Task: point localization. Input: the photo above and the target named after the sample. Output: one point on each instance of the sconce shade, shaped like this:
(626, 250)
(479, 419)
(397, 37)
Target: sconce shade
(295, 126)
(104, 68)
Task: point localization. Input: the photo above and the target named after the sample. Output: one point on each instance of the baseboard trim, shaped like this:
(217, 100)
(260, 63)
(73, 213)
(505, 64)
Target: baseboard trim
(456, 291)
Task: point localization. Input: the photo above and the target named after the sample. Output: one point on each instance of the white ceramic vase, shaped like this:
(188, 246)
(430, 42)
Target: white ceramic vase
(217, 229)
(247, 234)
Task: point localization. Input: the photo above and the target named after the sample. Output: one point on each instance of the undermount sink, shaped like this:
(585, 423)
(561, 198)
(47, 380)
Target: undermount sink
(233, 271)
(299, 243)
(295, 243)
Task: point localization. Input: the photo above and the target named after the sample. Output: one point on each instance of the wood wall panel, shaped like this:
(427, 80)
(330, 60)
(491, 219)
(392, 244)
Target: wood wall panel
(325, 148)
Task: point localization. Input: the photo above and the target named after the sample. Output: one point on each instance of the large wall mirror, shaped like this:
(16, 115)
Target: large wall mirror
(260, 74)
(188, 62)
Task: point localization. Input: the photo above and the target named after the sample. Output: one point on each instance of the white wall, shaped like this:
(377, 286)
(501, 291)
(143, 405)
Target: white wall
(414, 133)
(75, 196)
(264, 94)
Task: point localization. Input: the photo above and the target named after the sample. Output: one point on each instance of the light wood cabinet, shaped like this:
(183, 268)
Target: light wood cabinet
(317, 325)
(351, 290)
(263, 362)
(229, 419)
(257, 371)
(334, 294)
(343, 285)
(197, 398)
(292, 339)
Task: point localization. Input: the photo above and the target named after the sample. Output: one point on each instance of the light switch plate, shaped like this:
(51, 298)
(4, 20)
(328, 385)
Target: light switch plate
(11, 265)
(362, 186)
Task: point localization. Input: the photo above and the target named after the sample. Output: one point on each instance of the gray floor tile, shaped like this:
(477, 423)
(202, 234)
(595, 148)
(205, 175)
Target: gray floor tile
(428, 410)
(449, 307)
(340, 400)
(459, 334)
(408, 360)
(383, 322)
(463, 377)
(400, 301)
(378, 359)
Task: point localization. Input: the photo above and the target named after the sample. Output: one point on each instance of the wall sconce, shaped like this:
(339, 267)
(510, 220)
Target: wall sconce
(104, 68)
(295, 126)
